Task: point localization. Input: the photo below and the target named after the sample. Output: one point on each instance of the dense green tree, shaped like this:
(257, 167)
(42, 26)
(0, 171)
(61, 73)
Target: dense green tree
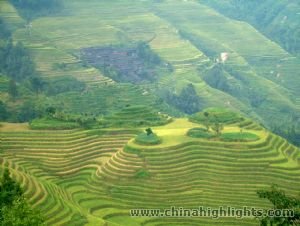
(4, 31)
(145, 52)
(217, 127)
(34, 8)
(20, 214)
(3, 111)
(9, 189)
(216, 78)
(14, 210)
(187, 101)
(15, 61)
(149, 131)
(207, 121)
(50, 111)
(13, 89)
(28, 111)
(280, 200)
(37, 84)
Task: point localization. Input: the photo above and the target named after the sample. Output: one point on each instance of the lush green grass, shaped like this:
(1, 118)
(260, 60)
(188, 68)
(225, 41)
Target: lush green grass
(142, 173)
(241, 136)
(200, 133)
(145, 139)
(52, 124)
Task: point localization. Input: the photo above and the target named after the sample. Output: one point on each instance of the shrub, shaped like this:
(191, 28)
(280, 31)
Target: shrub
(142, 173)
(145, 139)
(52, 124)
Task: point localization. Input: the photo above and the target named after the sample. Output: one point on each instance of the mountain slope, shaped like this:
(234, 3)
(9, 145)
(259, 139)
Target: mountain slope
(278, 20)
(90, 177)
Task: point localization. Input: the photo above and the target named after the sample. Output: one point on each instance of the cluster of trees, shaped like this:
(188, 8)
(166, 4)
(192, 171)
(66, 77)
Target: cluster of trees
(15, 61)
(4, 30)
(86, 121)
(280, 201)
(3, 111)
(238, 86)
(211, 121)
(145, 52)
(62, 84)
(14, 209)
(187, 101)
(17, 64)
(33, 8)
(291, 133)
(216, 78)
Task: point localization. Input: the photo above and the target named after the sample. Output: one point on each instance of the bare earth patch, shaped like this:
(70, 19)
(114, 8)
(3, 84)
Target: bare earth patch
(13, 127)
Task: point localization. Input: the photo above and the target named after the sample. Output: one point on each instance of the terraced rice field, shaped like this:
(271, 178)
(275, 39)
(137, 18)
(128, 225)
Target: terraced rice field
(91, 177)
(263, 64)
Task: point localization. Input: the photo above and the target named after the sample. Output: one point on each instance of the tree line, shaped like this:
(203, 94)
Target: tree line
(30, 9)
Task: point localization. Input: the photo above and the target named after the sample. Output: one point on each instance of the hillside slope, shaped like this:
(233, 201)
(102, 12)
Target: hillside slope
(91, 177)
(259, 78)
(278, 20)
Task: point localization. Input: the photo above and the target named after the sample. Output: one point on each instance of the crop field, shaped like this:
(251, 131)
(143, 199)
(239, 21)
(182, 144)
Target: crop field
(91, 177)
(94, 177)
(262, 64)
(257, 59)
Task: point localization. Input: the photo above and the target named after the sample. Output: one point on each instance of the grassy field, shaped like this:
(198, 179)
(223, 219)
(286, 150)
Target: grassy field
(80, 177)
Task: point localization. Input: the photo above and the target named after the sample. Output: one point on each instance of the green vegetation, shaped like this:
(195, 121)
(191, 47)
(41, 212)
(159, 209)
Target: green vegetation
(187, 101)
(260, 81)
(5, 33)
(14, 209)
(87, 162)
(138, 115)
(63, 172)
(15, 61)
(276, 20)
(200, 133)
(64, 84)
(291, 133)
(280, 201)
(257, 72)
(33, 8)
(212, 115)
(142, 173)
(52, 124)
(147, 139)
(239, 137)
(3, 112)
